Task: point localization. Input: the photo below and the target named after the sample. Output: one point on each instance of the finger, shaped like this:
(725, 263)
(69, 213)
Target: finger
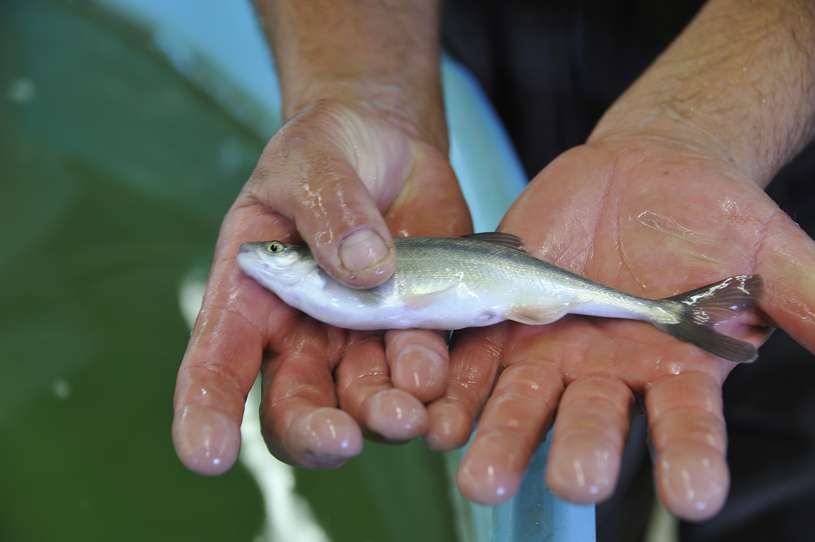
(590, 432)
(365, 392)
(300, 421)
(313, 171)
(224, 352)
(475, 359)
(419, 362)
(689, 440)
(512, 426)
(785, 259)
(211, 389)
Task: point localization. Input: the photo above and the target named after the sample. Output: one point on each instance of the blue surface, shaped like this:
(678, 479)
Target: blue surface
(537, 514)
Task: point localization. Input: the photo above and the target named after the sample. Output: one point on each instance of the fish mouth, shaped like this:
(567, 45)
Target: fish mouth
(246, 247)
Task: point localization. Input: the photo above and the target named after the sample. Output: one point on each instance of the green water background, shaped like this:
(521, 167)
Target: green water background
(115, 172)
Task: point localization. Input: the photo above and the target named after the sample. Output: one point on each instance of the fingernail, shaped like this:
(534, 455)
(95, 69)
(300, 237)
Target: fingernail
(206, 441)
(362, 249)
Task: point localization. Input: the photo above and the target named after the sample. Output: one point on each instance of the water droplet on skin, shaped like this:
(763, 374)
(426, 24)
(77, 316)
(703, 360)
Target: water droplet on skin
(578, 470)
(331, 428)
(689, 492)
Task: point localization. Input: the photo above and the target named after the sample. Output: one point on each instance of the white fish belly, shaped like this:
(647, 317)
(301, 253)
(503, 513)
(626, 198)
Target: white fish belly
(403, 317)
(429, 305)
(439, 306)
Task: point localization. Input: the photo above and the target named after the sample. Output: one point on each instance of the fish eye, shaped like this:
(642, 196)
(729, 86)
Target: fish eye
(274, 247)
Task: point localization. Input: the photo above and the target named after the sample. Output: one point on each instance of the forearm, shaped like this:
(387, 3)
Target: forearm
(385, 52)
(739, 82)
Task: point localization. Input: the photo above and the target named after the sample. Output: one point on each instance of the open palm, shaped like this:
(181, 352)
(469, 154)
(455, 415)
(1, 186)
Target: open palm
(653, 220)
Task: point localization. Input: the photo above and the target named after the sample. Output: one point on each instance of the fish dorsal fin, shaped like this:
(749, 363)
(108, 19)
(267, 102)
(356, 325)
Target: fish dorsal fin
(545, 314)
(498, 238)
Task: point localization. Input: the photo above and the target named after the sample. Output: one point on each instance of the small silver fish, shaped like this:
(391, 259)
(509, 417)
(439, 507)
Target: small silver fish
(482, 279)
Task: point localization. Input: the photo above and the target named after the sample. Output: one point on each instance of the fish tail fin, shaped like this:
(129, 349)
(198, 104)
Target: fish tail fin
(704, 307)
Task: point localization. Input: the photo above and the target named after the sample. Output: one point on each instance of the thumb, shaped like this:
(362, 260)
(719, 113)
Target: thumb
(786, 260)
(332, 173)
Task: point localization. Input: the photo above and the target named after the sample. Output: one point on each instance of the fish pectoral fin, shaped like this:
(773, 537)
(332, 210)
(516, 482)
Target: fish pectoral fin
(540, 314)
(423, 301)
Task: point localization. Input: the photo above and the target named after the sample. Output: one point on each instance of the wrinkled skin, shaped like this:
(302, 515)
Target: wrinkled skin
(321, 171)
(652, 218)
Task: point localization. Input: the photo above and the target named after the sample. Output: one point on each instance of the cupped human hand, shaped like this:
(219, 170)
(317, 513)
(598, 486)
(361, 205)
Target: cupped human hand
(342, 177)
(652, 218)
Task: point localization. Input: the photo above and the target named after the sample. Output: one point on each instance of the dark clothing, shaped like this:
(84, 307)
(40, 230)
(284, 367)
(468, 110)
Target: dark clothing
(552, 68)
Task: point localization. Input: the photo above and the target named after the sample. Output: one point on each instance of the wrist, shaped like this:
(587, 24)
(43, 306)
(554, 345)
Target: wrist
(419, 117)
(735, 86)
(382, 56)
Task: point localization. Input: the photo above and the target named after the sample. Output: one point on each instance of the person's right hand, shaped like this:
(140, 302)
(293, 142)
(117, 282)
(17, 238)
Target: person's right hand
(339, 176)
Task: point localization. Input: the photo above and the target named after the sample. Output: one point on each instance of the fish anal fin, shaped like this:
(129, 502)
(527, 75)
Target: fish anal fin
(498, 238)
(540, 314)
